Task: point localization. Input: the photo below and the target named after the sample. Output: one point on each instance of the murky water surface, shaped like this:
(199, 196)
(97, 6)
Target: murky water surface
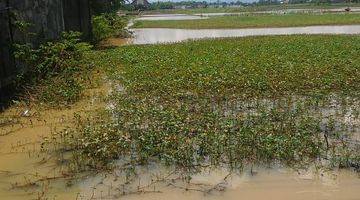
(272, 185)
(170, 17)
(25, 172)
(22, 163)
(277, 184)
(166, 35)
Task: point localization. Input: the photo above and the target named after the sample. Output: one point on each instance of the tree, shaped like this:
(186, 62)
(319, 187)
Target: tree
(106, 6)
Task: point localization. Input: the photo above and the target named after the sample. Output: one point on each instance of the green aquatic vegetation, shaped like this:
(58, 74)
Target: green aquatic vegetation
(247, 67)
(255, 21)
(227, 102)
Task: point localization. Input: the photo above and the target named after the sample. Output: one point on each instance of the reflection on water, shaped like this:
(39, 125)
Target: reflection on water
(165, 35)
(170, 17)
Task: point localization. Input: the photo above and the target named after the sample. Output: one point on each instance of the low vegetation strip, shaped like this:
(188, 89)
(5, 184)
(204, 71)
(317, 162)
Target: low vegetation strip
(255, 21)
(253, 8)
(228, 102)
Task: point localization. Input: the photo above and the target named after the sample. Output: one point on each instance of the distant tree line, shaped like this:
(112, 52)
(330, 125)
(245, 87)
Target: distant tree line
(204, 4)
(220, 3)
(106, 6)
(189, 4)
(272, 2)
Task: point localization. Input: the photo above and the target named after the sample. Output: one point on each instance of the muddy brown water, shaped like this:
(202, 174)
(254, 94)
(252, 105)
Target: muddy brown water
(22, 130)
(274, 185)
(170, 17)
(168, 35)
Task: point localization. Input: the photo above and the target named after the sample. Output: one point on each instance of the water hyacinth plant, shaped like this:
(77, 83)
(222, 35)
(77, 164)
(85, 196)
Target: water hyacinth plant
(289, 100)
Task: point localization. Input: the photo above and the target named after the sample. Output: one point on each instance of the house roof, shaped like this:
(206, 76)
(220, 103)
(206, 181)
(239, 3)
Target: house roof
(140, 2)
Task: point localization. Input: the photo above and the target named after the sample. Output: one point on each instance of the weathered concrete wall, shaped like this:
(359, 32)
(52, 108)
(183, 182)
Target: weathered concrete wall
(77, 16)
(7, 68)
(51, 17)
(48, 19)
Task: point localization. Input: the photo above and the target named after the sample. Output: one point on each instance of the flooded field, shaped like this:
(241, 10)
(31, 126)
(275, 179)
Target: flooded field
(27, 171)
(180, 102)
(22, 163)
(167, 35)
(165, 111)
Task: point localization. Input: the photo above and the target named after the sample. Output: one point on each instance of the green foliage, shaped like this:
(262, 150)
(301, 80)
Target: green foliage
(247, 67)
(185, 136)
(109, 25)
(163, 5)
(101, 28)
(228, 102)
(106, 6)
(53, 69)
(22, 26)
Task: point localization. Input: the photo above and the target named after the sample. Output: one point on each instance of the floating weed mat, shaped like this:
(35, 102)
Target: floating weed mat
(288, 100)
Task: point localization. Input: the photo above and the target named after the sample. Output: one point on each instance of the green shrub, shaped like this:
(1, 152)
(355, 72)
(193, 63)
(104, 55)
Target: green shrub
(53, 71)
(109, 25)
(101, 28)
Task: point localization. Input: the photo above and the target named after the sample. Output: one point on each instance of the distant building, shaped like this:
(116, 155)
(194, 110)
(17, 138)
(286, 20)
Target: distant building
(140, 3)
(180, 7)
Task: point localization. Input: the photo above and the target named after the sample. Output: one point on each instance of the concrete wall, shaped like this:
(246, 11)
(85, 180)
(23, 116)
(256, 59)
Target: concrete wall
(51, 17)
(7, 67)
(48, 19)
(77, 16)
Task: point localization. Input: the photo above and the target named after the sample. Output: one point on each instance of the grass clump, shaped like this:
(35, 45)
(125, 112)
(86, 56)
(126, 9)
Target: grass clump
(227, 102)
(55, 72)
(254, 21)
